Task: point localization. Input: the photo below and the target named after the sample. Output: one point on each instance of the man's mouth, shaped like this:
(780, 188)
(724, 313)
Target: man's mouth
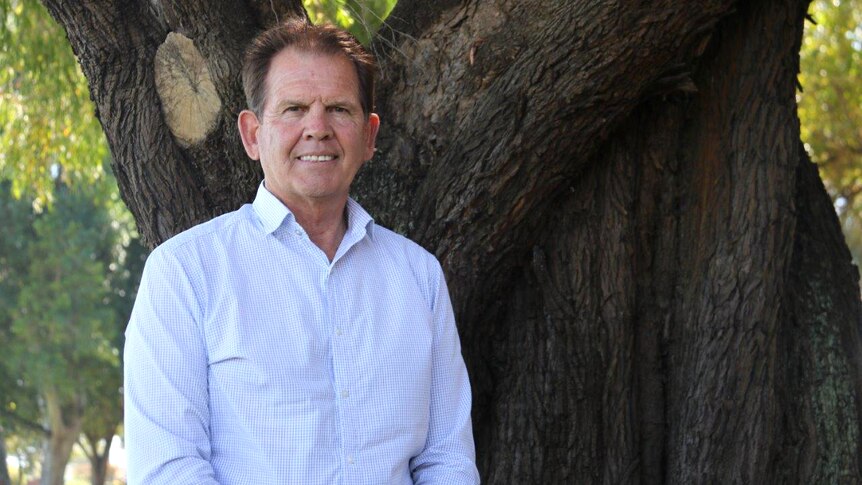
(317, 158)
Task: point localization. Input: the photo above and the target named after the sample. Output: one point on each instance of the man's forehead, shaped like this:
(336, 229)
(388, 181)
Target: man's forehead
(322, 73)
(291, 56)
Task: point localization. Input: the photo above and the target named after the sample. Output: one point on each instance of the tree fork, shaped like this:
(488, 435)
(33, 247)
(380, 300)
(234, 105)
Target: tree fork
(613, 192)
(168, 187)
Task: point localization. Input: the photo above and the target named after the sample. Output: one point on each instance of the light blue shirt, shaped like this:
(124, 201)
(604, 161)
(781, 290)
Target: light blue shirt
(250, 358)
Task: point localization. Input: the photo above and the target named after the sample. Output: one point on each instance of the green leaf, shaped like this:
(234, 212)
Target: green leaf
(830, 106)
(361, 18)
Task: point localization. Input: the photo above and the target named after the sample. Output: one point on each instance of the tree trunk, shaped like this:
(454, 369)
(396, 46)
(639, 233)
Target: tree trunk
(99, 467)
(649, 279)
(98, 450)
(4, 467)
(66, 423)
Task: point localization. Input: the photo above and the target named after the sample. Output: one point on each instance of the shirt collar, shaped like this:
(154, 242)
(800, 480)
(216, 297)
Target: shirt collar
(269, 209)
(273, 213)
(359, 222)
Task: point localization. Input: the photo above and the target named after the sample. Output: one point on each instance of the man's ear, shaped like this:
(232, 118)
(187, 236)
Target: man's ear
(248, 125)
(372, 125)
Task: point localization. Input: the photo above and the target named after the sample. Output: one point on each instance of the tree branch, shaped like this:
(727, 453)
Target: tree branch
(522, 95)
(25, 422)
(88, 452)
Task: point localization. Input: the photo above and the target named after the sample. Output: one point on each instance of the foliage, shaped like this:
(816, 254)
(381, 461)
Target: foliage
(361, 17)
(17, 398)
(69, 279)
(69, 268)
(103, 415)
(46, 117)
(830, 107)
(25, 450)
(60, 320)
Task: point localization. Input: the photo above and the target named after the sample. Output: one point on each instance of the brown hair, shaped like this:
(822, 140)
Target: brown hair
(319, 39)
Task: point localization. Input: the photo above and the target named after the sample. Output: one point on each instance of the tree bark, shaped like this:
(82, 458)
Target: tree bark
(650, 282)
(4, 467)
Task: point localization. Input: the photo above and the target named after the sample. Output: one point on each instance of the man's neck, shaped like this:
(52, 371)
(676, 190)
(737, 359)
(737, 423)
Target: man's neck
(325, 223)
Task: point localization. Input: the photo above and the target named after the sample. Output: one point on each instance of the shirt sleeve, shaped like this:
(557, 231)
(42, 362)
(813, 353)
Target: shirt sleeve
(449, 455)
(165, 381)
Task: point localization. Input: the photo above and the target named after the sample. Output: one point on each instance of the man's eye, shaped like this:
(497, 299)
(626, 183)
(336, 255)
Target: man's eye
(338, 109)
(291, 109)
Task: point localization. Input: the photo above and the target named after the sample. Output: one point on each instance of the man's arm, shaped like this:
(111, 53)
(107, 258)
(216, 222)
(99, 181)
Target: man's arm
(165, 381)
(449, 455)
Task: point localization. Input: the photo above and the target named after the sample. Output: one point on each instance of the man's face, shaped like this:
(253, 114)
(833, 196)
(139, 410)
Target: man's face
(312, 135)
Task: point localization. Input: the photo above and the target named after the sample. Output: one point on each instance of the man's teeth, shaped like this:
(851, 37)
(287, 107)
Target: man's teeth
(316, 158)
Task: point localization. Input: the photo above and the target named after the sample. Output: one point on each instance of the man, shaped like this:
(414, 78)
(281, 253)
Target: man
(294, 341)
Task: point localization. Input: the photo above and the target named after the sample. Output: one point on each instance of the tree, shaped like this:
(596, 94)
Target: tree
(46, 123)
(103, 415)
(18, 400)
(60, 322)
(831, 107)
(100, 426)
(45, 117)
(73, 281)
(4, 471)
(649, 278)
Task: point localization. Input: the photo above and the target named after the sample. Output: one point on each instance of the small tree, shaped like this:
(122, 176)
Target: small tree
(75, 282)
(17, 400)
(103, 416)
(62, 327)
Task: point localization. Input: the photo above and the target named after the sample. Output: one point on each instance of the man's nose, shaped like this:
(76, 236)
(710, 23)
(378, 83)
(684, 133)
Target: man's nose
(317, 124)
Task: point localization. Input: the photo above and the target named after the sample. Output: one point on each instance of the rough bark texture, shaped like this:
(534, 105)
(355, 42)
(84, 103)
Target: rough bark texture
(650, 282)
(822, 383)
(166, 186)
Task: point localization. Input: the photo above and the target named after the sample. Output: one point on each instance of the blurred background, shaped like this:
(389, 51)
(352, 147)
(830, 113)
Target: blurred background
(70, 258)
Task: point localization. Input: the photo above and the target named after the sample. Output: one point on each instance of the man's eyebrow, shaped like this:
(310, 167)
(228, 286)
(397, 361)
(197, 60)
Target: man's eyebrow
(340, 102)
(289, 102)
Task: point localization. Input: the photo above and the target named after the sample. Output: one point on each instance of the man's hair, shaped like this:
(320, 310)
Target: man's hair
(299, 34)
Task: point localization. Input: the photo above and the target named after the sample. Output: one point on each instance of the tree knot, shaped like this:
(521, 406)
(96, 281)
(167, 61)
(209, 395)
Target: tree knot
(184, 85)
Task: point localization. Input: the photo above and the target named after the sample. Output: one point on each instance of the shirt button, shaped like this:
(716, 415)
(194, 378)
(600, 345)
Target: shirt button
(350, 460)
(338, 332)
(344, 393)
(298, 232)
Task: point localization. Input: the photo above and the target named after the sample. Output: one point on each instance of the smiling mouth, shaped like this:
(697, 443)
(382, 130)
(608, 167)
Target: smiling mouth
(317, 158)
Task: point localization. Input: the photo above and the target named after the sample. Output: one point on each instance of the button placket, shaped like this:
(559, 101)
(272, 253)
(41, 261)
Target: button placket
(341, 378)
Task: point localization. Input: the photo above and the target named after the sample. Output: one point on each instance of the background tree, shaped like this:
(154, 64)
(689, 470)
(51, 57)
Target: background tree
(68, 224)
(18, 400)
(649, 277)
(25, 449)
(75, 287)
(830, 107)
(62, 329)
(45, 117)
(104, 414)
(100, 423)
